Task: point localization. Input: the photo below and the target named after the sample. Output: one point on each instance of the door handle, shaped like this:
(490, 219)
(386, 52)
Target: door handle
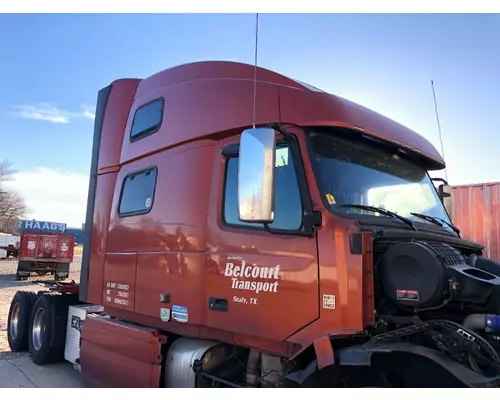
(217, 304)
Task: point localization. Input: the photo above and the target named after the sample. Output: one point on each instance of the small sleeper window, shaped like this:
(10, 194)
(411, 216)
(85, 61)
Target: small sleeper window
(147, 119)
(138, 193)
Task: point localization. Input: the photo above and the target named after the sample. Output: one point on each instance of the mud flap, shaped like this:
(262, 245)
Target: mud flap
(23, 269)
(59, 318)
(62, 271)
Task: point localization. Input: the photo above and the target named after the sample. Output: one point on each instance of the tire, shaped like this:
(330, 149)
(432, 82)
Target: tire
(40, 333)
(18, 322)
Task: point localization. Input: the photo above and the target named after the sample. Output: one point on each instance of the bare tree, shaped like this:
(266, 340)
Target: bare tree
(12, 205)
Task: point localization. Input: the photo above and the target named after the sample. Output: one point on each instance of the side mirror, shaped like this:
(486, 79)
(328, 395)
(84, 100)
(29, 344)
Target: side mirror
(257, 156)
(444, 191)
(445, 194)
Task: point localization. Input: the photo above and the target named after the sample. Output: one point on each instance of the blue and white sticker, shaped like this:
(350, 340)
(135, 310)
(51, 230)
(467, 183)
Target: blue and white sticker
(180, 314)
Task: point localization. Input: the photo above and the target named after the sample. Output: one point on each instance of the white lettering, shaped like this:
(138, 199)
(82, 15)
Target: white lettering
(229, 269)
(28, 224)
(237, 299)
(122, 286)
(45, 226)
(123, 294)
(53, 226)
(259, 274)
(36, 225)
(121, 302)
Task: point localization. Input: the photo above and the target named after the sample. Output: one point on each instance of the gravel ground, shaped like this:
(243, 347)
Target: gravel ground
(8, 288)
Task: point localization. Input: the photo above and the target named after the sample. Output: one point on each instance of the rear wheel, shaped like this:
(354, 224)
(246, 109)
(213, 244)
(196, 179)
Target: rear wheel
(48, 324)
(19, 320)
(40, 333)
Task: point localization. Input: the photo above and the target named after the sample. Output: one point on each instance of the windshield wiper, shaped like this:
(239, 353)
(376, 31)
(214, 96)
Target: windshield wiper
(382, 211)
(437, 221)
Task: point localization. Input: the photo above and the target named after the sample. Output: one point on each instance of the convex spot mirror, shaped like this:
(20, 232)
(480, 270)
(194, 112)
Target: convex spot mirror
(257, 155)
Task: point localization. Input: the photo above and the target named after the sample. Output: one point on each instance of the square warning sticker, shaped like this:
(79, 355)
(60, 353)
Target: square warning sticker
(329, 301)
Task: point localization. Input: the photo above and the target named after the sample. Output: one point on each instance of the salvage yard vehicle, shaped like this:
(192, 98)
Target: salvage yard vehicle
(45, 252)
(260, 232)
(9, 246)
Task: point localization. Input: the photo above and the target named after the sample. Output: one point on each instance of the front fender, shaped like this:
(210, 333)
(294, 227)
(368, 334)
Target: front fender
(362, 356)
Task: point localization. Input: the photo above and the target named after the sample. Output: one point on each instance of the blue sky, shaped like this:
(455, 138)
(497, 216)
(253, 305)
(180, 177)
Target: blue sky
(55, 64)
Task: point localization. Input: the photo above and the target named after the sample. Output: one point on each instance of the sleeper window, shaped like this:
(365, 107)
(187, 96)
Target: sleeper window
(138, 193)
(147, 119)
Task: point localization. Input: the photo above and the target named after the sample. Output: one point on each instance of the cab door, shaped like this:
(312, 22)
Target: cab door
(260, 283)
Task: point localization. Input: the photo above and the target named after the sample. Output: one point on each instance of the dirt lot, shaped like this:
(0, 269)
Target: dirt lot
(8, 288)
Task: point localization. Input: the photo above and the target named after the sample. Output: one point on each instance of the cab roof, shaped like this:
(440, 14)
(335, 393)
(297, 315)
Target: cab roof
(217, 96)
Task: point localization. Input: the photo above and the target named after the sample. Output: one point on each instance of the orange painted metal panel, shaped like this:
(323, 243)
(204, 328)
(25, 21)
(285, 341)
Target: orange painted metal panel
(117, 354)
(477, 214)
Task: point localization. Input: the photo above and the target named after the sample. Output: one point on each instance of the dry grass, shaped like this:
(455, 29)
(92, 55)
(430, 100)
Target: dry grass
(78, 250)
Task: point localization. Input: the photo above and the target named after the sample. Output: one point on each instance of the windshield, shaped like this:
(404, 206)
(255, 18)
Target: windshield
(359, 171)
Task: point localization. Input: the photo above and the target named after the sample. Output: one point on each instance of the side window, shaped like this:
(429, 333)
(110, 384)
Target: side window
(288, 205)
(138, 193)
(147, 119)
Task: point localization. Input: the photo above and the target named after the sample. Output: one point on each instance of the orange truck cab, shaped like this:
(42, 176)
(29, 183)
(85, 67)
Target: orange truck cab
(266, 233)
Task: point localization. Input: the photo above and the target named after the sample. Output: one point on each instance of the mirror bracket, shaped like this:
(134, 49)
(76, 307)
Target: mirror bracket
(310, 222)
(279, 128)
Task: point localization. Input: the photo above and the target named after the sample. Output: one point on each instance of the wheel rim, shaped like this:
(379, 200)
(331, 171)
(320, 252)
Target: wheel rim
(38, 328)
(14, 321)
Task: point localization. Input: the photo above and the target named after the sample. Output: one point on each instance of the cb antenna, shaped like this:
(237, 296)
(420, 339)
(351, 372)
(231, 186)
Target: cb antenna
(439, 126)
(255, 70)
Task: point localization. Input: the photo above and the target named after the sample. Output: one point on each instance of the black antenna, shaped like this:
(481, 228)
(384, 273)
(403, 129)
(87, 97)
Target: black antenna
(255, 70)
(439, 126)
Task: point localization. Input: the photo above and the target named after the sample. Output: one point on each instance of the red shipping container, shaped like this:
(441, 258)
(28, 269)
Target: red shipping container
(476, 214)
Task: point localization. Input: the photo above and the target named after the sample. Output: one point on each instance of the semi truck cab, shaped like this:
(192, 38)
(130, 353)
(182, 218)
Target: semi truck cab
(266, 219)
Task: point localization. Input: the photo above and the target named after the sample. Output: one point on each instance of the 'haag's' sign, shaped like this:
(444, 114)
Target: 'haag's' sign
(46, 226)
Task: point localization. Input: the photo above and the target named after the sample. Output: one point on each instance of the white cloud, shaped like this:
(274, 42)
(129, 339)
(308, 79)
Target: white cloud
(50, 113)
(89, 114)
(58, 196)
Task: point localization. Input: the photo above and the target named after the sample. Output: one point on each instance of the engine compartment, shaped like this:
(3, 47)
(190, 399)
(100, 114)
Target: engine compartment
(422, 275)
(437, 295)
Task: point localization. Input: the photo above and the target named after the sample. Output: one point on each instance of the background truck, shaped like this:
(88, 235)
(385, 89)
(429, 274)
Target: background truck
(311, 250)
(45, 252)
(477, 213)
(10, 245)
